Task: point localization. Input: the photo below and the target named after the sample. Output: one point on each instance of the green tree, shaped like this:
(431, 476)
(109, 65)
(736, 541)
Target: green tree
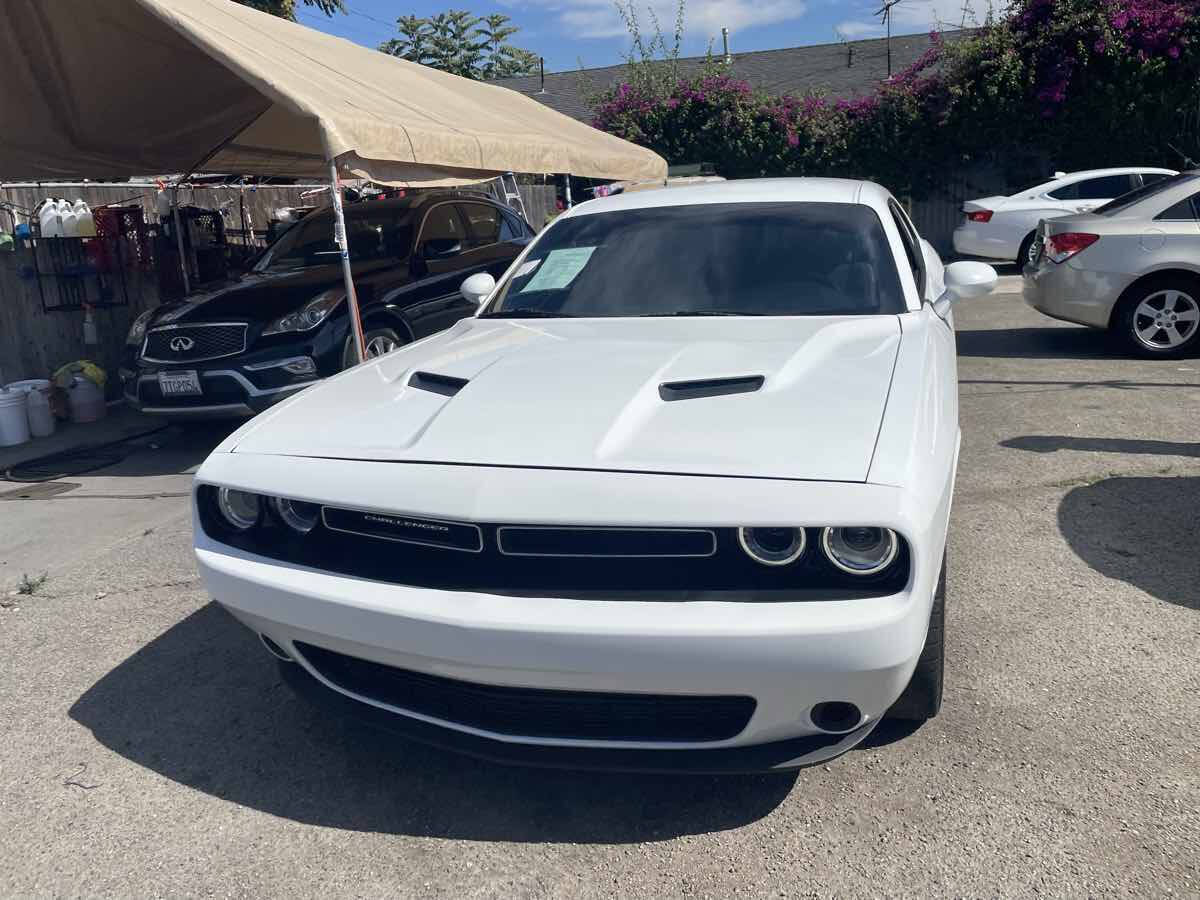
(286, 9)
(458, 42)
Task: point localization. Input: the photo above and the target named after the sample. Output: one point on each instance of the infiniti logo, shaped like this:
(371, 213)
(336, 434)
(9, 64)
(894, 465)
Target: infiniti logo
(182, 344)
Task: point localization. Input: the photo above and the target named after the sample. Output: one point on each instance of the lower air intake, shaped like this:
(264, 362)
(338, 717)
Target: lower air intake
(531, 712)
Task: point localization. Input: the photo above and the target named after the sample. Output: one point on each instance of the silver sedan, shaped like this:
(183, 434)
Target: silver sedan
(1132, 267)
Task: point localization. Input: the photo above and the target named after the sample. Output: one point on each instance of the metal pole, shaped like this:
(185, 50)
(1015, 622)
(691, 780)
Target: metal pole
(183, 267)
(568, 192)
(339, 238)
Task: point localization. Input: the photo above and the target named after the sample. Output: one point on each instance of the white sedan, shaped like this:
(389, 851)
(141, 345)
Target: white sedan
(675, 499)
(1005, 228)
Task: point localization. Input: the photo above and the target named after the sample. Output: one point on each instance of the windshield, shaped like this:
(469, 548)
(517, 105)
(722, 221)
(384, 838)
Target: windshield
(1122, 203)
(372, 233)
(752, 259)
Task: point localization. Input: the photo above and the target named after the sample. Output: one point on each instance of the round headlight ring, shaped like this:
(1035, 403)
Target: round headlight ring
(770, 546)
(841, 550)
(297, 515)
(240, 509)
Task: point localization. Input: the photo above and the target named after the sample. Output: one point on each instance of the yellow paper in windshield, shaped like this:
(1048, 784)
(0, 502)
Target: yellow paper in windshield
(559, 269)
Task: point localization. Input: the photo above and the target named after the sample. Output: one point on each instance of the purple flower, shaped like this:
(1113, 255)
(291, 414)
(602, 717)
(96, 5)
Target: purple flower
(1173, 52)
(1100, 46)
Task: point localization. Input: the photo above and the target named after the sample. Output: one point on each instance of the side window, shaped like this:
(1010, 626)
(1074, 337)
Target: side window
(511, 228)
(1105, 188)
(912, 245)
(1066, 192)
(483, 224)
(1149, 178)
(1183, 211)
(442, 233)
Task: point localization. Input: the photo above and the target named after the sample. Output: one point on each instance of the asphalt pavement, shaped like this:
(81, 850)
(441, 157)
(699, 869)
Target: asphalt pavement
(149, 748)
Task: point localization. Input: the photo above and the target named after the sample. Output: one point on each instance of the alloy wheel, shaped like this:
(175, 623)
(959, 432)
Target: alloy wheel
(379, 345)
(1166, 319)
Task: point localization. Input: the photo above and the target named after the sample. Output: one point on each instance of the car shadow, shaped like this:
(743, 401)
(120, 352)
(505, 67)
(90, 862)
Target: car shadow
(203, 705)
(1140, 530)
(1053, 442)
(1050, 342)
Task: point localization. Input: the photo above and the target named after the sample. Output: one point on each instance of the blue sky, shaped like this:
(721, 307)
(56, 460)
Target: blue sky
(568, 32)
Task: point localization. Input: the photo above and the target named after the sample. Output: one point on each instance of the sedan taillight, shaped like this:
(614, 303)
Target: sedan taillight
(1061, 247)
(980, 215)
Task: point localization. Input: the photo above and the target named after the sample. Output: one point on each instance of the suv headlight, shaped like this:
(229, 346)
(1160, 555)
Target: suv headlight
(307, 317)
(137, 331)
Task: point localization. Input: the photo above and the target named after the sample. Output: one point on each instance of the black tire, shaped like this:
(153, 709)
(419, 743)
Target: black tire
(370, 334)
(1127, 318)
(1023, 259)
(923, 697)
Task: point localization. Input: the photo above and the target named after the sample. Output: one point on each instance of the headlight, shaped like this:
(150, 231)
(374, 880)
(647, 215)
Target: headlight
(241, 509)
(307, 317)
(137, 331)
(859, 550)
(772, 546)
(296, 514)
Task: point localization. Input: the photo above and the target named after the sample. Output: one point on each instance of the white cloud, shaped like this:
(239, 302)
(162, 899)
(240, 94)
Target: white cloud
(856, 30)
(703, 19)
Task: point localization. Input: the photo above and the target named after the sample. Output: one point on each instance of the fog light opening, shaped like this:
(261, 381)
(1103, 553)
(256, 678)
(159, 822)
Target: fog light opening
(274, 649)
(836, 716)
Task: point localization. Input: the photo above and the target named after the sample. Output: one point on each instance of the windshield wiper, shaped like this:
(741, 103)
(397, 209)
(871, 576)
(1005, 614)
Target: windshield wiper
(703, 312)
(521, 313)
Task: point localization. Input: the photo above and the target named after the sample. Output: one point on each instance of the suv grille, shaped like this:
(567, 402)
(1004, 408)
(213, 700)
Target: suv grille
(534, 712)
(193, 343)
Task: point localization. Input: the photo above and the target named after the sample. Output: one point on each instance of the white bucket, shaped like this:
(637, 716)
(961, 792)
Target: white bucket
(14, 426)
(86, 401)
(41, 418)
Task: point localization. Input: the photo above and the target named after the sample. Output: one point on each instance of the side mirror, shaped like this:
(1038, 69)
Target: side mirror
(965, 281)
(477, 288)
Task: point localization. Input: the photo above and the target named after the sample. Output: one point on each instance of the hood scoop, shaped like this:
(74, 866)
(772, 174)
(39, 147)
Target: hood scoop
(710, 387)
(446, 385)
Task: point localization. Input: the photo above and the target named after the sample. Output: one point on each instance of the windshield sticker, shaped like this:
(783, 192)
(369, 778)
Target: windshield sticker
(559, 269)
(526, 268)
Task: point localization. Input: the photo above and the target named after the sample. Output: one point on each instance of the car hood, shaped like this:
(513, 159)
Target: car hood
(262, 296)
(587, 394)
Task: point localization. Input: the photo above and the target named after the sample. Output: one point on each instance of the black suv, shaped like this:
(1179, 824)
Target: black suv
(236, 349)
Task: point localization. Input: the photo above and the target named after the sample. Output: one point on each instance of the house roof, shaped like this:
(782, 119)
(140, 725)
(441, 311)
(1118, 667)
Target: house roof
(841, 70)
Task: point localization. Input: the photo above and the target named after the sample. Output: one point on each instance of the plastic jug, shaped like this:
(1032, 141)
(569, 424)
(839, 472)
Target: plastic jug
(50, 219)
(70, 220)
(85, 223)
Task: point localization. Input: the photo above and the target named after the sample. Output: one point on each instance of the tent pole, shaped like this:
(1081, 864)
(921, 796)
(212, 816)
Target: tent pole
(183, 267)
(339, 237)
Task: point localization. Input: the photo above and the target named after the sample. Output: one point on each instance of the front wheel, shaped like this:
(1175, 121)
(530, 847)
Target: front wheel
(1028, 253)
(923, 697)
(1160, 319)
(377, 342)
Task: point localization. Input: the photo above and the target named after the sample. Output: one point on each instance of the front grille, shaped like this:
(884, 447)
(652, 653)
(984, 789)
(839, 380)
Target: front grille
(193, 343)
(537, 713)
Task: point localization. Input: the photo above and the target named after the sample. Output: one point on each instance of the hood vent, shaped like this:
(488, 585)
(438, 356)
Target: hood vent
(445, 385)
(711, 387)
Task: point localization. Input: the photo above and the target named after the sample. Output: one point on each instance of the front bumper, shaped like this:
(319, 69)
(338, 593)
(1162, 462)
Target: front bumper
(1068, 292)
(788, 656)
(228, 391)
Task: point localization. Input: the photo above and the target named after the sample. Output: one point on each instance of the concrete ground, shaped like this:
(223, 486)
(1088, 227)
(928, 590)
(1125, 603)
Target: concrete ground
(149, 748)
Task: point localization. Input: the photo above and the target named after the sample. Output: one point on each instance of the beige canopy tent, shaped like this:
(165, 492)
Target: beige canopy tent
(123, 87)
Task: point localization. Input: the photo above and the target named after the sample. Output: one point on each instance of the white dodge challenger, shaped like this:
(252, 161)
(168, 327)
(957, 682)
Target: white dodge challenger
(676, 499)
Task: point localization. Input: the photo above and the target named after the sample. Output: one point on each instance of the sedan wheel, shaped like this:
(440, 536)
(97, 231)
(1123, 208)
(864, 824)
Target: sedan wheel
(379, 341)
(1162, 319)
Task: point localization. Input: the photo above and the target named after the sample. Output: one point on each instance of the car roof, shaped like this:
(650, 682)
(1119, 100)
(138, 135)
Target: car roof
(750, 190)
(1115, 170)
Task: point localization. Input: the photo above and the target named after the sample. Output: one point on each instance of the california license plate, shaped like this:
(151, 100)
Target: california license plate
(179, 384)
